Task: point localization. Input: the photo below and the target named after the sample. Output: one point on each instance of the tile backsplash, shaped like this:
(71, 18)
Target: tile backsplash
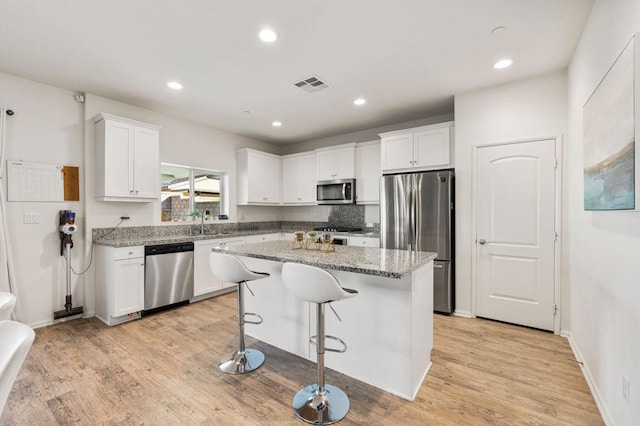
(351, 215)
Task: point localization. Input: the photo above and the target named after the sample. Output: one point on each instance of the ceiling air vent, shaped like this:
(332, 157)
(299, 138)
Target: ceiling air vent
(311, 84)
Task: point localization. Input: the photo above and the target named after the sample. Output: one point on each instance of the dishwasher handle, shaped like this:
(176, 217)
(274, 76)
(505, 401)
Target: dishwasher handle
(168, 248)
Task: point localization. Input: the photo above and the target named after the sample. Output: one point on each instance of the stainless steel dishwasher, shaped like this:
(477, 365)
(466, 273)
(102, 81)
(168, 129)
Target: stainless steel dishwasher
(168, 275)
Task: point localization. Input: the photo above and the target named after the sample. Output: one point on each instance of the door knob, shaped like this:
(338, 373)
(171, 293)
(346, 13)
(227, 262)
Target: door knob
(483, 241)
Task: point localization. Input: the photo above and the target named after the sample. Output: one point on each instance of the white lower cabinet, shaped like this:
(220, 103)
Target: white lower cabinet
(204, 282)
(119, 283)
(364, 241)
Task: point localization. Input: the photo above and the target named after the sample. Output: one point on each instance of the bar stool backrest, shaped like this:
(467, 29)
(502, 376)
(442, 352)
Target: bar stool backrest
(230, 269)
(15, 341)
(7, 303)
(313, 284)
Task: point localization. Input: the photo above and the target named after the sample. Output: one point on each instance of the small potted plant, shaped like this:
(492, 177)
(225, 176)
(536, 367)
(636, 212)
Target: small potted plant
(194, 214)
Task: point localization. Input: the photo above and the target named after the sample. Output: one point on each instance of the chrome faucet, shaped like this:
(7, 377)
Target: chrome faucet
(202, 224)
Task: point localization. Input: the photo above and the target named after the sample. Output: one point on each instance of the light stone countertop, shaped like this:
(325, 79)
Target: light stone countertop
(363, 260)
(169, 239)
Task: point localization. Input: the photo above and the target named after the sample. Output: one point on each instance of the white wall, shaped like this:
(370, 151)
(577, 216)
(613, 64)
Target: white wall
(361, 136)
(46, 128)
(531, 108)
(603, 249)
(49, 126)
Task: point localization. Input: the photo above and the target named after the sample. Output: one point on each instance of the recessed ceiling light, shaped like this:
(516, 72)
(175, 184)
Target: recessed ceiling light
(174, 85)
(267, 35)
(503, 63)
(276, 124)
(359, 101)
(497, 30)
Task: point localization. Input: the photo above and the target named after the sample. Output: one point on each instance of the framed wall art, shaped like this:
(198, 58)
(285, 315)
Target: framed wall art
(610, 155)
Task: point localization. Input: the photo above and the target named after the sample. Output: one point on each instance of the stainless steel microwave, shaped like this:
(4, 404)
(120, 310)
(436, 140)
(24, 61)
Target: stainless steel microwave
(339, 191)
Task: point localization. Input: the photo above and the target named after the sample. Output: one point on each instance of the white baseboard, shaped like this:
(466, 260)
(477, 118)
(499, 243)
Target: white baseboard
(466, 314)
(48, 322)
(602, 405)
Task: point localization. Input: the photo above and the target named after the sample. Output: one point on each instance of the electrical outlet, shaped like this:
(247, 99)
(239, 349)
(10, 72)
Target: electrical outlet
(31, 218)
(369, 225)
(625, 389)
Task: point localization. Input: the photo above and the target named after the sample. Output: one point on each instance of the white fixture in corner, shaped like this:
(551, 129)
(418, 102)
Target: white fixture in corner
(267, 35)
(502, 63)
(174, 85)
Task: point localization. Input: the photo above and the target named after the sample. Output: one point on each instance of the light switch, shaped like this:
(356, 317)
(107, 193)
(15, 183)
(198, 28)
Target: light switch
(31, 217)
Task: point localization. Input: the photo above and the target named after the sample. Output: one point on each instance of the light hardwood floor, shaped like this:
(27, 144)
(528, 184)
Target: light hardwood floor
(162, 370)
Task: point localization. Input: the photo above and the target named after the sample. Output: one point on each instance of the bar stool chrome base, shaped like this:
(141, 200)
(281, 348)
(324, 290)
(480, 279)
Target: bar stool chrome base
(239, 363)
(317, 409)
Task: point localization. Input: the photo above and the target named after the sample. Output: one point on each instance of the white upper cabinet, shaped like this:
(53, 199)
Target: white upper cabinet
(368, 173)
(336, 162)
(299, 178)
(258, 177)
(420, 148)
(127, 159)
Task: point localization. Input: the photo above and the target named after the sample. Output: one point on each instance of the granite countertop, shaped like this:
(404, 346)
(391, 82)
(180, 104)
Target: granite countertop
(169, 239)
(363, 260)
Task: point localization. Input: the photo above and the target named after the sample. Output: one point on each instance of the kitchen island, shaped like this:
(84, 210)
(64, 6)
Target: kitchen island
(388, 327)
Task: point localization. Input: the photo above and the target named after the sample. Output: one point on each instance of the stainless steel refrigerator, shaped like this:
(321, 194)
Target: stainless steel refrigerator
(416, 213)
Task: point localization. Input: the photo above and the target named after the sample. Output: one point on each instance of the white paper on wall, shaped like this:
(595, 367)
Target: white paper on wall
(29, 181)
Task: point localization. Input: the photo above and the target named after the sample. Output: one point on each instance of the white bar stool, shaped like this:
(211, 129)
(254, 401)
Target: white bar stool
(319, 403)
(15, 341)
(7, 303)
(230, 269)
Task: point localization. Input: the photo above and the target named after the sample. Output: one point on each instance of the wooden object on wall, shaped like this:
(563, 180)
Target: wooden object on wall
(71, 183)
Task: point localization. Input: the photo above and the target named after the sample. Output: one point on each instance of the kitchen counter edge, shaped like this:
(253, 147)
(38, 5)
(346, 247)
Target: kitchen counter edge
(170, 239)
(387, 263)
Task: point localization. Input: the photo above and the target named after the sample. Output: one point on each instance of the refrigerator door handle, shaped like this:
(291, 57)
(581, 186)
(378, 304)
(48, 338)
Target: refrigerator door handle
(413, 245)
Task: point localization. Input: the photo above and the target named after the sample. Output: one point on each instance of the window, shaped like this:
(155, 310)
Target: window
(188, 192)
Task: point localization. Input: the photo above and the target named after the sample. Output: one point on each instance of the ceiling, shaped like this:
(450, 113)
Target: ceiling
(406, 58)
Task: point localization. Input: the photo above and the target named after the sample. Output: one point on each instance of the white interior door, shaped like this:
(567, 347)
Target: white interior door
(515, 245)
